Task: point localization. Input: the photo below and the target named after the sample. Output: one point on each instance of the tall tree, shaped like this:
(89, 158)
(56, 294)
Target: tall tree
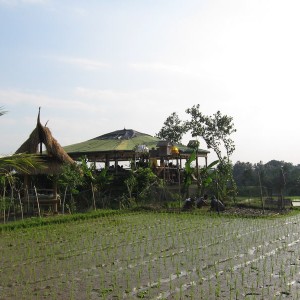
(216, 131)
(173, 129)
(244, 174)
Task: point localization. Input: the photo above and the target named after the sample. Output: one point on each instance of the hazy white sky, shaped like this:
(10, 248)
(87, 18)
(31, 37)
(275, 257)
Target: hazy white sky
(98, 66)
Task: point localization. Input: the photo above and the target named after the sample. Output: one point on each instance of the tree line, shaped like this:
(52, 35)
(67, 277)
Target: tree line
(274, 177)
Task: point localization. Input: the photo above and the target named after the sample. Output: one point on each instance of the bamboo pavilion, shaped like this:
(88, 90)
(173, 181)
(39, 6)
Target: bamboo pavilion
(128, 145)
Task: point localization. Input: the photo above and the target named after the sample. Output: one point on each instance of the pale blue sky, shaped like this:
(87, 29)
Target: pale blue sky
(99, 66)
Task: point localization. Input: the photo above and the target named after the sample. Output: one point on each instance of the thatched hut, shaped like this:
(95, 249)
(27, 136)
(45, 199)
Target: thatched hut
(53, 156)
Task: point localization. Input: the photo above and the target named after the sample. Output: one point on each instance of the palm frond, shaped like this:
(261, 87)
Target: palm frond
(20, 162)
(2, 112)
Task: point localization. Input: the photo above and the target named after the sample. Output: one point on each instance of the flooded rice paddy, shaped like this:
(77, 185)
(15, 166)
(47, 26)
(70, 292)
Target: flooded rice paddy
(153, 256)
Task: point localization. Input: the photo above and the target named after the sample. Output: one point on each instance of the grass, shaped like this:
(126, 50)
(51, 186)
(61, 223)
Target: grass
(59, 219)
(67, 218)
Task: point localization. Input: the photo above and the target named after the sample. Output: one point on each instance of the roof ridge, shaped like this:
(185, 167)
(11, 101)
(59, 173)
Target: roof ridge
(122, 134)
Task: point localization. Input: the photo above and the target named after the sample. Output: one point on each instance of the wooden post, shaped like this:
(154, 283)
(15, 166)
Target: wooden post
(27, 198)
(197, 173)
(261, 193)
(64, 200)
(116, 164)
(21, 205)
(55, 195)
(282, 184)
(197, 165)
(164, 170)
(217, 186)
(11, 201)
(179, 181)
(4, 203)
(26, 180)
(94, 201)
(37, 200)
(106, 161)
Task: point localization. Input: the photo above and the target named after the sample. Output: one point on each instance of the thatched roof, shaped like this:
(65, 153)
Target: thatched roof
(54, 156)
(117, 144)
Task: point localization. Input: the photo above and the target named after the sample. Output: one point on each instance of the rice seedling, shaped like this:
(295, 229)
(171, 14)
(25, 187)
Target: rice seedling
(125, 255)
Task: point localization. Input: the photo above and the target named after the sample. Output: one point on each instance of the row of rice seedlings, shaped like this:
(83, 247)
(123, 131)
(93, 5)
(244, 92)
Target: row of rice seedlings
(216, 276)
(173, 242)
(153, 239)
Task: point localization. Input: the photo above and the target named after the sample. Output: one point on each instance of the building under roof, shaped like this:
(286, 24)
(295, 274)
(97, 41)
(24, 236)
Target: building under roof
(128, 145)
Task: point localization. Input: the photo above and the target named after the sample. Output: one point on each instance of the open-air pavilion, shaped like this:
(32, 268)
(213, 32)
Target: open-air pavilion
(135, 148)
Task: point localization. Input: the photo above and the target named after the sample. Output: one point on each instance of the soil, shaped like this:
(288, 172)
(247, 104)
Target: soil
(254, 212)
(234, 211)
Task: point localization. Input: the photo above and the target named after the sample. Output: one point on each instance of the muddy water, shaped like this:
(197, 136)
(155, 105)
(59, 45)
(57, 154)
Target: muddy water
(296, 203)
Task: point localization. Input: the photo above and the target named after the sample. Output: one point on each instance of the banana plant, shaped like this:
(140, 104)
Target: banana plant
(188, 174)
(205, 178)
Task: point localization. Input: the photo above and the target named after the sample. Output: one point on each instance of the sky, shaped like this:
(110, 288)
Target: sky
(99, 66)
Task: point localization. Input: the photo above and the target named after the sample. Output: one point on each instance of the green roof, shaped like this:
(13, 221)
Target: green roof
(119, 140)
(125, 140)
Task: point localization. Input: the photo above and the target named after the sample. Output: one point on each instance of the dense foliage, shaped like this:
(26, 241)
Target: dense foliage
(216, 131)
(274, 176)
(173, 129)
